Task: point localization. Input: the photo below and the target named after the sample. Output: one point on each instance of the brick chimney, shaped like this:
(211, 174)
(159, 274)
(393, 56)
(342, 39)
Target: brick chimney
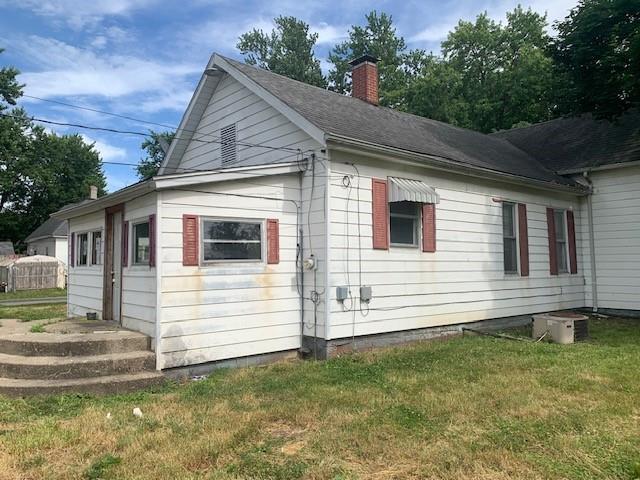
(364, 78)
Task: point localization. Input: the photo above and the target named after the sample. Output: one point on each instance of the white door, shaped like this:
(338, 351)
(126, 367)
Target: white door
(116, 273)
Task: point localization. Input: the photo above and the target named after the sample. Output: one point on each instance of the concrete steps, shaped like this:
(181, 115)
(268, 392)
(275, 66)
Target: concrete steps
(98, 362)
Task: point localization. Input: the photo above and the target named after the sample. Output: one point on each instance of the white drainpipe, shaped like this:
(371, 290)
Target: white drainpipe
(592, 244)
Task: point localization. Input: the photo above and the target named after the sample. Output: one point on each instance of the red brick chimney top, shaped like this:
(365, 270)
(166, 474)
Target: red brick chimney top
(364, 78)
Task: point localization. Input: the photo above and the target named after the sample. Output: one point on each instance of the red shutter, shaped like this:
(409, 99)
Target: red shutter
(125, 244)
(380, 211)
(72, 253)
(523, 234)
(273, 240)
(428, 227)
(571, 232)
(190, 241)
(553, 254)
(152, 240)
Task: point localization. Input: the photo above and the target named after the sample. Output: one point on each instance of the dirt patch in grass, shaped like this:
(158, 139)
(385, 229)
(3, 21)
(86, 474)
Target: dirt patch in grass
(29, 313)
(467, 408)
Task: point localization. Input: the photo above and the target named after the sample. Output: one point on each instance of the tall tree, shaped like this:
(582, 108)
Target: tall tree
(287, 50)
(154, 148)
(598, 48)
(377, 37)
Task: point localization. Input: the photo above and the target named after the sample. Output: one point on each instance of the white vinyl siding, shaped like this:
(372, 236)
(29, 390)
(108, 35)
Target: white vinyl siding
(464, 280)
(616, 214)
(255, 123)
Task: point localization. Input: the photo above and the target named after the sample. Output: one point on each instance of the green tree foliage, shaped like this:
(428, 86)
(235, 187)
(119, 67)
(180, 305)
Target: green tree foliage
(287, 50)
(154, 148)
(40, 172)
(598, 49)
(377, 37)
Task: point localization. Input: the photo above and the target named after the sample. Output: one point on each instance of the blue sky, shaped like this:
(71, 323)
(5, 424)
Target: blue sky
(143, 58)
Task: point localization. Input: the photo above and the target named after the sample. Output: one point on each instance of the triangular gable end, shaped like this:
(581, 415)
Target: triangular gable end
(224, 97)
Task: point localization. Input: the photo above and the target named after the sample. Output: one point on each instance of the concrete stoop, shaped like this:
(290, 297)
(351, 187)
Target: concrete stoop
(99, 363)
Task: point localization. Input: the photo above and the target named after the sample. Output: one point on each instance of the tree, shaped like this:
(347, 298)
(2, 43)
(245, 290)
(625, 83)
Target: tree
(598, 49)
(378, 38)
(10, 89)
(287, 50)
(155, 150)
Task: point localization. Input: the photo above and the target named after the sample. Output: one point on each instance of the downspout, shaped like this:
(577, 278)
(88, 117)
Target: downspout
(592, 243)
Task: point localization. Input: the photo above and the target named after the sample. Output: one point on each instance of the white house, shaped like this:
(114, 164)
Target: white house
(50, 239)
(286, 217)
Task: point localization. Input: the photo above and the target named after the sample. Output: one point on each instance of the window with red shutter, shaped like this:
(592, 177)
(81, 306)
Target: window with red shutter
(72, 253)
(429, 227)
(380, 212)
(273, 241)
(571, 234)
(152, 240)
(125, 243)
(523, 236)
(553, 253)
(190, 240)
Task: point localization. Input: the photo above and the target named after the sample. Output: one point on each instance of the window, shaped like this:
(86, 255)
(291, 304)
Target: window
(141, 245)
(96, 248)
(231, 240)
(404, 218)
(83, 248)
(561, 240)
(509, 238)
(228, 145)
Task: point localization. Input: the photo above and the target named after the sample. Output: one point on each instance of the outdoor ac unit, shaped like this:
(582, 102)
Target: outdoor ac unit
(561, 327)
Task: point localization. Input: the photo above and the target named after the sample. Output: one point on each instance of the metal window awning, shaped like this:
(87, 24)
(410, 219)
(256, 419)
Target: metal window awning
(403, 189)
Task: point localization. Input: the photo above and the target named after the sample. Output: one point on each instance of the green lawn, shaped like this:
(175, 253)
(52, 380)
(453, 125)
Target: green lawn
(29, 294)
(465, 408)
(34, 312)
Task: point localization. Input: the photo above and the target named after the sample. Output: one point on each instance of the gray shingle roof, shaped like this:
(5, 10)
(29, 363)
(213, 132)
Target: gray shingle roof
(579, 142)
(6, 248)
(52, 227)
(350, 117)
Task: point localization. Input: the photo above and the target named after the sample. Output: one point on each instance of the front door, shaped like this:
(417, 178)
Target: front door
(112, 299)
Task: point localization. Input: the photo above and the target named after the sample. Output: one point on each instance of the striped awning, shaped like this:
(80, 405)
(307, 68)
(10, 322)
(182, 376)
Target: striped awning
(403, 189)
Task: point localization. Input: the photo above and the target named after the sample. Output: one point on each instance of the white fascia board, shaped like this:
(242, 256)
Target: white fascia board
(191, 118)
(115, 198)
(241, 173)
(610, 166)
(429, 161)
(309, 128)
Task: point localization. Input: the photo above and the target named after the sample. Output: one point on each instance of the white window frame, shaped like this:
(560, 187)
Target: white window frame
(417, 220)
(100, 253)
(262, 240)
(563, 214)
(132, 248)
(516, 237)
(77, 247)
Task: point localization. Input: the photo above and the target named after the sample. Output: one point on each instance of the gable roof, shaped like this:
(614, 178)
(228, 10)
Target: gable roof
(52, 227)
(6, 248)
(337, 114)
(578, 143)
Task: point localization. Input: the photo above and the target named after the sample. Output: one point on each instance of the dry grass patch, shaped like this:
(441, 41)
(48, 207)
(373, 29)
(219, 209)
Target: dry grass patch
(468, 408)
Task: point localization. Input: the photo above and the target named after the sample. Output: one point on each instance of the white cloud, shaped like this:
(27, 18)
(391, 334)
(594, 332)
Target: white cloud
(72, 71)
(80, 13)
(329, 34)
(108, 152)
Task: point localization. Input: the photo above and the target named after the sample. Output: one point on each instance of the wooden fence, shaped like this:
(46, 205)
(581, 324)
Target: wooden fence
(33, 276)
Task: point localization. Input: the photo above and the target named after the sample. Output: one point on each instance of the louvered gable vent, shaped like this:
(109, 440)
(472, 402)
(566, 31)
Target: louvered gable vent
(228, 145)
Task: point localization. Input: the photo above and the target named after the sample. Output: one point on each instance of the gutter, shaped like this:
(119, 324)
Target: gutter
(592, 244)
(440, 163)
(610, 166)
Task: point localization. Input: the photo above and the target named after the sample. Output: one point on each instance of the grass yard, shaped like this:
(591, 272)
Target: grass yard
(466, 408)
(34, 312)
(29, 294)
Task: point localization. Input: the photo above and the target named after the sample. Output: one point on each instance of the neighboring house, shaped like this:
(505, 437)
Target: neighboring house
(6, 249)
(281, 208)
(50, 239)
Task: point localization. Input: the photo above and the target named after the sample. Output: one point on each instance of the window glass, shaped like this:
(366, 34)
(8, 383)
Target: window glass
(96, 248)
(231, 240)
(141, 247)
(83, 248)
(561, 240)
(509, 238)
(403, 223)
